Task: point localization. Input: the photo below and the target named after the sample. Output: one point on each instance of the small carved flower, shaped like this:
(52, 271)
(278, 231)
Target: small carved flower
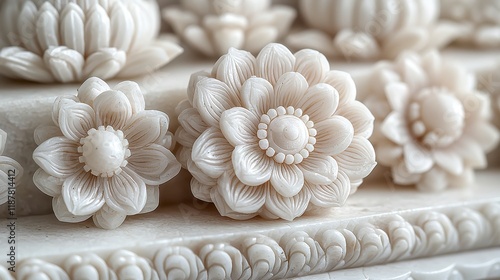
(10, 170)
(478, 21)
(66, 41)
(106, 155)
(212, 27)
(268, 135)
(431, 124)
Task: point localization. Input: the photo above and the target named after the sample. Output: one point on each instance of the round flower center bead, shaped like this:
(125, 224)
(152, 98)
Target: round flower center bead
(286, 135)
(437, 118)
(104, 151)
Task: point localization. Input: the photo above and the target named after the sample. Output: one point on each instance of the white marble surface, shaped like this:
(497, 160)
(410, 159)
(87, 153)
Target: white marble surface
(479, 264)
(380, 224)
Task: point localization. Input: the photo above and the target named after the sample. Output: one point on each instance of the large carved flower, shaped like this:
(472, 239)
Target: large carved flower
(66, 41)
(106, 156)
(268, 135)
(358, 29)
(10, 170)
(478, 21)
(212, 27)
(431, 124)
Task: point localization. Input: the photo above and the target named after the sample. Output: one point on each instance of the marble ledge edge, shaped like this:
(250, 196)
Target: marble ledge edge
(297, 250)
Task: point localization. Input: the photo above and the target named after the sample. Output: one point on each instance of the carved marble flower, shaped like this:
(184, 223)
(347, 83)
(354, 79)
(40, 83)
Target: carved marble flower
(212, 27)
(106, 156)
(479, 21)
(357, 29)
(10, 170)
(67, 41)
(432, 125)
(273, 134)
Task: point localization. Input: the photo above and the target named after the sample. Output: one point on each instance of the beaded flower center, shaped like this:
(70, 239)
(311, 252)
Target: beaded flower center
(104, 151)
(286, 135)
(437, 118)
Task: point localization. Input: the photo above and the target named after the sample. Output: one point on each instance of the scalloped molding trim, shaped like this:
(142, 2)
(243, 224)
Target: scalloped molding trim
(296, 251)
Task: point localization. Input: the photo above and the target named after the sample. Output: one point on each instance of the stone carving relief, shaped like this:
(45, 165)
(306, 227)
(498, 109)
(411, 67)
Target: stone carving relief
(273, 134)
(67, 41)
(212, 27)
(105, 155)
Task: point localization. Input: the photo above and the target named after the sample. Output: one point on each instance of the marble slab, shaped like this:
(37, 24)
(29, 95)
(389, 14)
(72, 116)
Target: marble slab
(380, 224)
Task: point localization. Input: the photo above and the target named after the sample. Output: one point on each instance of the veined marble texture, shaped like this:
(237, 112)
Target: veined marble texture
(274, 135)
(71, 40)
(356, 29)
(106, 155)
(479, 21)
(212, 27)
(432, 124)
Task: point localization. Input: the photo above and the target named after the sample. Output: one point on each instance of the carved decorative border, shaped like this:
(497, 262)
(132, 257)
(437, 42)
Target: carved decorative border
(293, 253)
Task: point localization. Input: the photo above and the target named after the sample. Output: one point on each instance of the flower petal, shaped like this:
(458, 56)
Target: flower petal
(60, 102)
(397, 95)
(125, 192)
(289, 90)
(16, 62)
(433, 180)
(287, 180)
(62, 214)
(112, 108)
(251, 165)
(234, 68)
(240, 197)
(401, 175)
(152, 199)
(96, 18)
(358, 160)
(312, 64)
(485, 134)
(412, 73)
(273, 61)
(105, 63)
(471, 152)
(319, 169)
(387, 152)
(334, 135)
(72, 27)
(224, 209)
(49, 185)
(108, 218)
(256, 94)
(191, 121)
(360, 117)
(145, 128)
(199, 175)
(58, 156)
(212, 97)
(344, 85)
(43, 133)
(417, 158)
(449, 161)
(239, 126)
(133, 94)
(334, 194)
(320, 102)
(193, 81)
(200, 190)
(287, 208)
(75, 120)
(6, 164)
(154, 163)
(212, 153)
(395, 128)
(65, 64)
(90, 89)
(83, 193)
